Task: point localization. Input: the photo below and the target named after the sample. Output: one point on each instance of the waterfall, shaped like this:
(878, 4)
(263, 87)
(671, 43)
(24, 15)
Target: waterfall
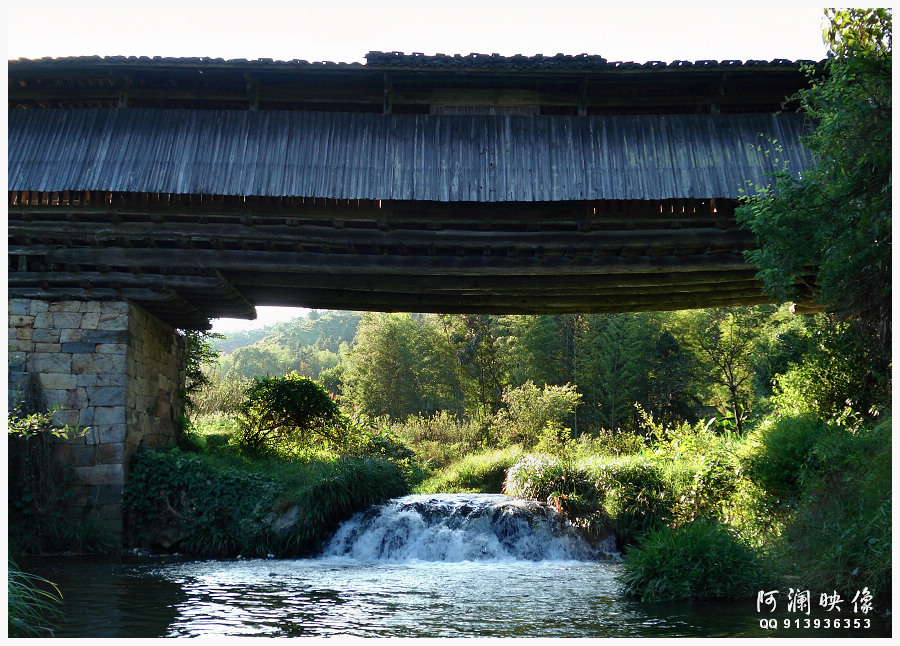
(462, 527)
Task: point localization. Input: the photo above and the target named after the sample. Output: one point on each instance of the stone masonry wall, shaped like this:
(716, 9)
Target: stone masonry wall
(113, 369)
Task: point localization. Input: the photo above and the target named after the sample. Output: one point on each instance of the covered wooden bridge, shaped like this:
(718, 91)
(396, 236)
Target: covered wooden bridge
(147, 195)
(200, 188)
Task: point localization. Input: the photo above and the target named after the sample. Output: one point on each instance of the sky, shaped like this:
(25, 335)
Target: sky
(344, 31)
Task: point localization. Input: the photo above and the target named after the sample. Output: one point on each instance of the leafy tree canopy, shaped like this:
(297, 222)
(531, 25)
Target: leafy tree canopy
(834, 220)
(280, 411)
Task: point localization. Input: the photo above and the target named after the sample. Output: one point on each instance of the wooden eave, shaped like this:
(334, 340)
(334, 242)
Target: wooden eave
(190, 258)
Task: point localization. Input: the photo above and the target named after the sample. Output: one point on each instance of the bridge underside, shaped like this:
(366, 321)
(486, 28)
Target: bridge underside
(189, 258)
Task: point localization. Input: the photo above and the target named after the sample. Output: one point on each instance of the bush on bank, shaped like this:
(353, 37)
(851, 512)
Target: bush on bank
(701, 560)
(812, 497)
(193, 503)
(837, 533)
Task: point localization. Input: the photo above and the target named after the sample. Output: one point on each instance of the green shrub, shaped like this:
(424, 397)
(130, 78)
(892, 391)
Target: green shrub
(779, 452)
(840, 534)
(837, 379)
(539, 477)
(482, 472)
(281, 413)
(219, 395)
(218, 512)
(198, 505)
(371, 442)
(638, 496)
(711, 482)
(564, 484)
(702, 560)
(619, 442)
(40, 491)
(530, 414)
(34, 604)
(437, 440)
(348, 485)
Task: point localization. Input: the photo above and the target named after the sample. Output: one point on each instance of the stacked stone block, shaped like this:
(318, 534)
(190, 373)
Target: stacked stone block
(113, 370)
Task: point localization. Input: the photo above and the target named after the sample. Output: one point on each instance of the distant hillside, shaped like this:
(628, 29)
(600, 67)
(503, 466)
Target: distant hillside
(235, 340)
(324, 329)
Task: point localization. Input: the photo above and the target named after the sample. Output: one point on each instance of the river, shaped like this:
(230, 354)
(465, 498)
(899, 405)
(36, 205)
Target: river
(475, 569)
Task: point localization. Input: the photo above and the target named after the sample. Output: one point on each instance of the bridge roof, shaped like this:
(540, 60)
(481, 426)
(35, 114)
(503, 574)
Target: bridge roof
(200, 188)
(478, 158)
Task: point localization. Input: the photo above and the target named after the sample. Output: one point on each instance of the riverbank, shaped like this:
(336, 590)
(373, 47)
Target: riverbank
(785, 504)
(774, 500)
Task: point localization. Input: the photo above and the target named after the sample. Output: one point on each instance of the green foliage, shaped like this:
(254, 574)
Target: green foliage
(437, 440)
(223, 506)
(726, 338)
(400, 365)
(699, 561)
(34, 604)
(780, 452)
(39, 490)
(198, 354)
(217, 512)
(556, 480)
(219, 394)
(638, 497)
(673, 372)
(840, 534)
(529, 414)
(349, 485)
(834, 378)
(836, 217)
(279, 413)
(263, 359)
(783, 341)
(370, 441)
(609, 443)
(619, 358)
(479, 343)
(482, 472)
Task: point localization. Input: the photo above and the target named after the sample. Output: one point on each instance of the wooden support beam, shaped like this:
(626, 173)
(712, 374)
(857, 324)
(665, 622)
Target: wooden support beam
(288, 262)
(536, 305)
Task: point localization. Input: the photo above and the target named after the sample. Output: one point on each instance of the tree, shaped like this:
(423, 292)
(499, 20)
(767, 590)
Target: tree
(257, 360)
(614, 367)
(671, 395)
(198, 353)
(530, 413)
(479, 347)
(834, 219)
(726, 337)
(400, 365)
(278, 412)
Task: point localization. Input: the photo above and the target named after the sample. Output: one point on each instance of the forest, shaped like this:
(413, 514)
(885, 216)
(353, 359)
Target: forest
(730, 366)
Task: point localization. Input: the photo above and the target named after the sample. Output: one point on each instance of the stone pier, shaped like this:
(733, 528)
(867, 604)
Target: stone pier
(114, 371)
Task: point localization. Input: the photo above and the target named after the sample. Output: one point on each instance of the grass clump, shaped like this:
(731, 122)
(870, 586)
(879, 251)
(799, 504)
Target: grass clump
(34, 604)
(702, 560)
(780, 451)
(837, 534)
(638, 496)
(349, 485)
(437, 440)
(483, 472)
(229, 504)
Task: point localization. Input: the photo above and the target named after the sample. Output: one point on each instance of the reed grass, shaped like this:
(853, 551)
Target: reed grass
(482, 472)
(34, 604)
(702, 560)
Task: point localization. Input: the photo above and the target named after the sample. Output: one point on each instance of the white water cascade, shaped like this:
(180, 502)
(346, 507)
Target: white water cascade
(462, 527)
